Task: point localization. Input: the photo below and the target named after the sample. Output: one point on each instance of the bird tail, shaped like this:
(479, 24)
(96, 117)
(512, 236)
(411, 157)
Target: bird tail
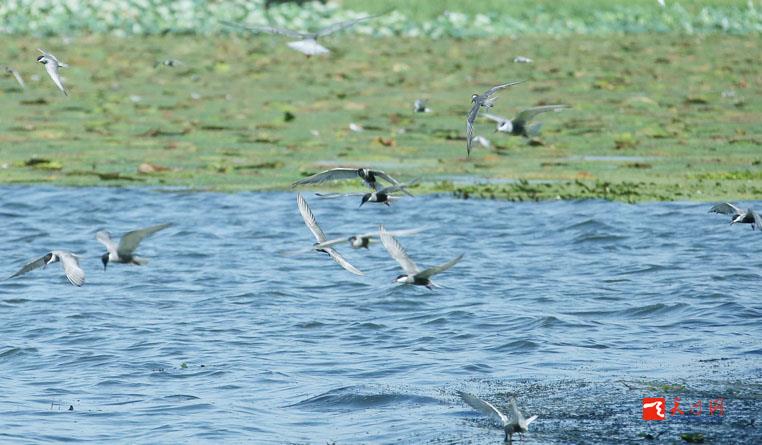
(139, 261)
(534, 129)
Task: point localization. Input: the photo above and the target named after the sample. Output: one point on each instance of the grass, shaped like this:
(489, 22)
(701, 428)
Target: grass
(655, 117)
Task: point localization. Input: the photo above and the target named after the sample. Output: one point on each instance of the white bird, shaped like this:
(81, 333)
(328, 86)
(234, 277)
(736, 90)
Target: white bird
(124, 252)
(51, 66)
(15, 74)
(419, 106)
(519, 125)
(485, 100)
(309, 220)
(69, 261)
(412, 275)
(739, 216)
(516, 423)
(522, 59)
(307, 41)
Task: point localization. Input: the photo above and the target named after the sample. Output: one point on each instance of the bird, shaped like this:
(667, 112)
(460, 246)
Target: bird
(15, 74)
(484, 142)
(51, 66)
(364, 240)
(311, 223)
(412, 275)
(419, 106)
(519, 125)
(69, 261)
(485, 100)
(369, 177)
(514, 424)
(307, 41)
(381, 196)
(169, 62)
(739, 216)
(522, 59)
(124, 252)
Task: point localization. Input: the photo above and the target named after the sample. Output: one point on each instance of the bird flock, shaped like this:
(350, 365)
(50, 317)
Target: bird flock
(384, 189)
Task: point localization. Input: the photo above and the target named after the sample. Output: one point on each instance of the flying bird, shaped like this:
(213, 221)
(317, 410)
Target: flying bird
(307, 41)
(51, 66)
(519, 125)
(739, 216)
(309, 220)
(522, 59)
(516, 423)
(172, 63)
(15, 74)
(412, 275)
(381, 196)
(368, 176)
(485, 100)
(69, 261)
(124, 252)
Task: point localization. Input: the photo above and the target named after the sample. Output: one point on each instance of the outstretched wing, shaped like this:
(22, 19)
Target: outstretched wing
(495, 117)
(17, 75)
(105, 238)
(52, 69)
(341, 261)
(431, 271)
(757, 219)
(496, 88)
(71, 268)
(130, 240)
(333, 174)
(399, 187)
(397, 252)
(32, 265)
(267, 29)
(470, 126)
(308, 47)
(726, 208)
(527, 115)
(483, 407)
(309, 218)
(336, 27)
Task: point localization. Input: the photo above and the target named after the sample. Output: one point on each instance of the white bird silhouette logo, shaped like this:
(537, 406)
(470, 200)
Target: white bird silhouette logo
(659, 408)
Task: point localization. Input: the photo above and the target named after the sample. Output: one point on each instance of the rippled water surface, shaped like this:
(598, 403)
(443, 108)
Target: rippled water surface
(580, 309)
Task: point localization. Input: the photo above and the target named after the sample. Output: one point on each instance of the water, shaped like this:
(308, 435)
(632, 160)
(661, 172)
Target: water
(578, 308)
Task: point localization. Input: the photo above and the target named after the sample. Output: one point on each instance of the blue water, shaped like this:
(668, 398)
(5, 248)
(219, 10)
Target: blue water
(580, 309)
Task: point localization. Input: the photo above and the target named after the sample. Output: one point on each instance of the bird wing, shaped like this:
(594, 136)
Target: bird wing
(385, 177)
(130, 240)
(341, 261)
(495, 117)
(336, 27)
(483, 407)
(32, 265)
(309, 218)
(487, 94)
(268, 30)
(71, 268)
(337, 195)
(333, 174)
(757, 219)
(52, 69)
(17, 75)
(309, 47)
(105, 238)
(398, 187)
(726, 208)
(470, 126)
(531, 419)
(527, 115)
(431, 271)
(397, 252)
(331, 242)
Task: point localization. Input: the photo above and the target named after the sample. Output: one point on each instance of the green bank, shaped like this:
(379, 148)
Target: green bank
(654, 117)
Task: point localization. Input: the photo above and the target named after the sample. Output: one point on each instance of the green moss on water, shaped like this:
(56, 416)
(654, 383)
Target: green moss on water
(250, 114)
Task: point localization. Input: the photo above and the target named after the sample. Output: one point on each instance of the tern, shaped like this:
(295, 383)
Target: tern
(169, 62)
(69, 261)
(515, 424)
(381, 196)
(15, 74)
(51, 66)
(367, 175)
(412, 274)
(124, 252)
(519, 125)
(485, 100)
(309, 220)
(359, 241)
(307, 41)
(419, 106)
(522, 59)
(738, 216)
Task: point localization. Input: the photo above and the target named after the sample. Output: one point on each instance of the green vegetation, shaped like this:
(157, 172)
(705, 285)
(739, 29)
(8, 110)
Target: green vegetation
(655, 117)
